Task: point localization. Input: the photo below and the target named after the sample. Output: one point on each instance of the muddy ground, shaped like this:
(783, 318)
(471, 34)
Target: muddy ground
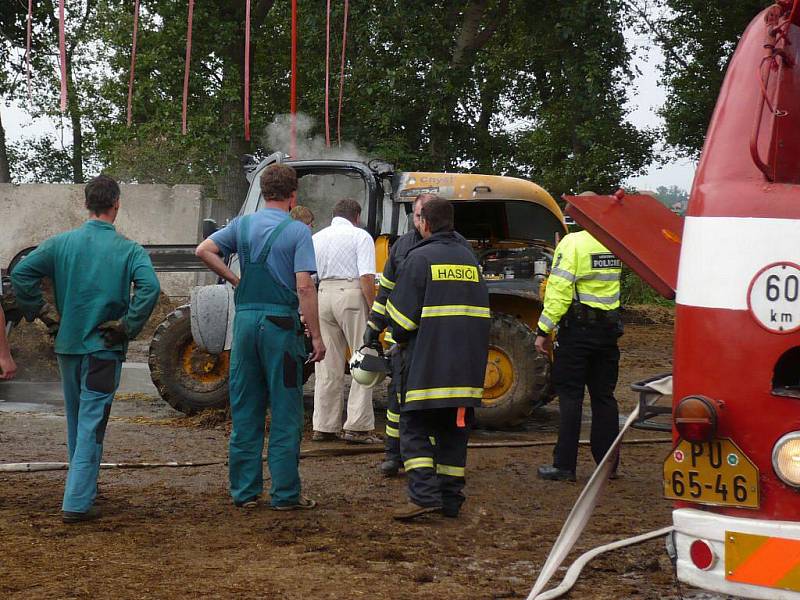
(173, 533)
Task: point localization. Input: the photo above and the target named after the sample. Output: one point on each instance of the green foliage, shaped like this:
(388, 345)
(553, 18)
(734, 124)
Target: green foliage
(698, 38)
(634, 290)
(41, 160)
(499, 86)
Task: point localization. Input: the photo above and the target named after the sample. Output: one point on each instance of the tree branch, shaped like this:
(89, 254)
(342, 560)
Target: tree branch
(659, 35)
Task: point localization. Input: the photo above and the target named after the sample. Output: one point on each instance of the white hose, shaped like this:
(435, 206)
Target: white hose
(580, 513)
(30, 467)
(575, 568)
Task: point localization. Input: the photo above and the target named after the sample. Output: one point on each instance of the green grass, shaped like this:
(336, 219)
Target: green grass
(634, 290)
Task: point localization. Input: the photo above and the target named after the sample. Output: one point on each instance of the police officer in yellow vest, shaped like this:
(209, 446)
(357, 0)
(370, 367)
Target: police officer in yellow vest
(582, 299)
(439, 309)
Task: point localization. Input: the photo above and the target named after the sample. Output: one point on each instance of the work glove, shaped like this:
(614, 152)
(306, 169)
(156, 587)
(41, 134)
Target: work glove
(114, 333)
(8, 304)
(372, 336)
(48, 315)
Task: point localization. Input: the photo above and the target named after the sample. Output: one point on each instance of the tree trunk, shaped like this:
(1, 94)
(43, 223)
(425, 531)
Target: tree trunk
(471, 39)
(5, 170)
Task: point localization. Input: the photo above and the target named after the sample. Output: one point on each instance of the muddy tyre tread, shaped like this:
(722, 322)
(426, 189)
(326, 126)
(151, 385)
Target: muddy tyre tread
(171, 333)
(531, 388)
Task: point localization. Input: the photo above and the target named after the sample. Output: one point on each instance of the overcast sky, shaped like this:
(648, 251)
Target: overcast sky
(646, 96)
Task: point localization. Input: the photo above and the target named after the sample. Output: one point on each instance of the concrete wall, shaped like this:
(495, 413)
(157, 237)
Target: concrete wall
(149, 214)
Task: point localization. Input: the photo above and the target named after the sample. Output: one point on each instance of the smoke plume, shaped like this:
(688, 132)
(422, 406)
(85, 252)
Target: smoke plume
(277, 137)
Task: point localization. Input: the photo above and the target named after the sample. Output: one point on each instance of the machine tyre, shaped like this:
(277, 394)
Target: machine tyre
(174, 359)
(187, 378)
(512, 342)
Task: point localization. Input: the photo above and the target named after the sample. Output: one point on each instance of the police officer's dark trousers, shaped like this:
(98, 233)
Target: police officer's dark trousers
(587, 356)
(433, 443)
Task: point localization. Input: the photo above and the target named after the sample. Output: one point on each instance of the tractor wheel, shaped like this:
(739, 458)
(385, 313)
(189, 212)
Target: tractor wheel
(517, 377)
(189, 379)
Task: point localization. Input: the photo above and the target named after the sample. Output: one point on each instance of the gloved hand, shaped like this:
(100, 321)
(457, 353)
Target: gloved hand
(8, 303)
(48, 315)
(372, 336)
(113, 332)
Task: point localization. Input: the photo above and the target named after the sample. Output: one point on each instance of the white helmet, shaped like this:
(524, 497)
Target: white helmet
(366, 368)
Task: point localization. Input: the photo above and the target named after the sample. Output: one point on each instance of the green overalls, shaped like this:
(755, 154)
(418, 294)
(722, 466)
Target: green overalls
(267, 358)
(92, 268)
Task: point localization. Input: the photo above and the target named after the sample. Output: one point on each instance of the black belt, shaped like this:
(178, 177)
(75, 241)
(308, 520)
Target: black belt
(582, 313)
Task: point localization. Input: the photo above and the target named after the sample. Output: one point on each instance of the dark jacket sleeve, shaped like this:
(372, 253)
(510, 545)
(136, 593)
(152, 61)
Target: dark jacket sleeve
(404, 305)
(27, 275)
(145, 293)
(377, 315)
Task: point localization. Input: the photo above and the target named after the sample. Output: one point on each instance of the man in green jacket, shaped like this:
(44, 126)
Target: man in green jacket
(92, 269)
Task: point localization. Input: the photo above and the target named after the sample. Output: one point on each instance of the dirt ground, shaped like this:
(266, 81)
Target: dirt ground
(173, 533)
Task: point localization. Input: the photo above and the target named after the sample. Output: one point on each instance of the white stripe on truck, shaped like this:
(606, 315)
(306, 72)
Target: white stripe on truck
(720, 256)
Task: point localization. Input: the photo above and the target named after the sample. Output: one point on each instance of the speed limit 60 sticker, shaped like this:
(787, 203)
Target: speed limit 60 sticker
(774, 297)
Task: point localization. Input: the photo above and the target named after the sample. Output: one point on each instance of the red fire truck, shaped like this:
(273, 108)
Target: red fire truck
(733, 266)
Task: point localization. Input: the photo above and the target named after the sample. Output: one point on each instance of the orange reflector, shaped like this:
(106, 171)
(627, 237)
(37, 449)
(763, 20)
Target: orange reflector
(460, 417)
(761, 560)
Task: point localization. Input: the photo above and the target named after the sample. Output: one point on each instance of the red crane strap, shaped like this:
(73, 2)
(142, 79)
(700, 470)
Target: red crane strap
(28, 51)
(133, 60)
(247, 71)
(62, 50)
(327, 75)
(341, 76)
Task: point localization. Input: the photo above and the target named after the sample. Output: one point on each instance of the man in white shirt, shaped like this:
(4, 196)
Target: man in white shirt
(345, 256)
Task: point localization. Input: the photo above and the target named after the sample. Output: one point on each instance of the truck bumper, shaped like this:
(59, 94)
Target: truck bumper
(751, 560)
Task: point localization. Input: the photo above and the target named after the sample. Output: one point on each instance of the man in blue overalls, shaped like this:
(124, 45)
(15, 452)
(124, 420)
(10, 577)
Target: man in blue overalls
(276, 259)
(92, 269)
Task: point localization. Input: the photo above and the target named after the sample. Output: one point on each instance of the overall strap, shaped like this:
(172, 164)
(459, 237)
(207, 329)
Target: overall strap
(271, 239)
(243, 241)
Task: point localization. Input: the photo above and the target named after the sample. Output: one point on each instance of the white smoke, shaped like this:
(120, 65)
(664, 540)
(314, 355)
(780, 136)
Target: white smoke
(317, 192)
(277, 138)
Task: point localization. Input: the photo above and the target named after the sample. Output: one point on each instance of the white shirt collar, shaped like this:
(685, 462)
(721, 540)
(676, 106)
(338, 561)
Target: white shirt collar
(340, 221)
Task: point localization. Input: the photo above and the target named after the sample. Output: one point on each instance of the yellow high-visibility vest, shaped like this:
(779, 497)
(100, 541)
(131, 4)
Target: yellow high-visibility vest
(583, 270)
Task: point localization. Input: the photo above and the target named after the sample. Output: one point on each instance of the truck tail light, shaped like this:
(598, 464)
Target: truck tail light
(702, 555)
(786, 459)
(696, 419)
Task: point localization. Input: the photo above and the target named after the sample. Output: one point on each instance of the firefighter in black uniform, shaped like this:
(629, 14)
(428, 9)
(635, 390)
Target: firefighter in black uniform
(378, 321)
(439, 312)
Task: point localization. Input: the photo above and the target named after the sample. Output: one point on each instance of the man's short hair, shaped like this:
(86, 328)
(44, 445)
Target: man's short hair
(438, 213)
(302, 214)
(424, 198)
(347, 208)
(101, 194)
(278, 182)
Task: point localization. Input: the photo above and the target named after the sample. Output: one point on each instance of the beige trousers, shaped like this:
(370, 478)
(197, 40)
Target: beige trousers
(343, 316)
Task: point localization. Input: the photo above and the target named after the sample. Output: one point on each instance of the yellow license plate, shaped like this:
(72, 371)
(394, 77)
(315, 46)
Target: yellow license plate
(715, 472)
(761, 560)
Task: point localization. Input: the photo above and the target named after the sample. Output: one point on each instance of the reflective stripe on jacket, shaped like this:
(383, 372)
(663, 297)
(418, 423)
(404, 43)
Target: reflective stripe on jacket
(584, 270)
(440, 306)
(397, 255)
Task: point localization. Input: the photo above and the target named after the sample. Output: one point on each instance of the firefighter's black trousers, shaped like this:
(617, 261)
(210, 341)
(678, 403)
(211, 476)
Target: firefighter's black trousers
(392, 440)
(433, 443)
(587, 356)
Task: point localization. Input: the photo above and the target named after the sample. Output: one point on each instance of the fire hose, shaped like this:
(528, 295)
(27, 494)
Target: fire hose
(575, 568)
(30, 467)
